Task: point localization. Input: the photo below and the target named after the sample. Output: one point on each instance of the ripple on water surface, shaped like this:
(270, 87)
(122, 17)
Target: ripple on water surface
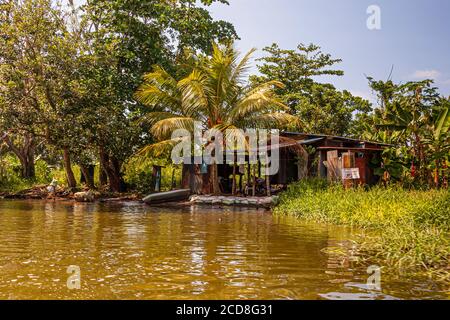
(131, 251)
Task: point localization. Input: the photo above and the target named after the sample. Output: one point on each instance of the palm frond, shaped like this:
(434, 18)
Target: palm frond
(241, 68)
(164, 128)
(232, 133)
(219, 69)
(194, 91)
(160, 149)
(152, 118)
(158, 89)
(258, 100)
(442, 123)
(160, 78)
(274, 120)
(153, 96)
(214, 93)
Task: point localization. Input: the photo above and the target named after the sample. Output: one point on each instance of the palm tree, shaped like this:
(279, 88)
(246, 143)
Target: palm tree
(215, 94)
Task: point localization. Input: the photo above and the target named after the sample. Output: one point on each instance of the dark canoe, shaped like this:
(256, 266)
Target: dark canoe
(170, 196)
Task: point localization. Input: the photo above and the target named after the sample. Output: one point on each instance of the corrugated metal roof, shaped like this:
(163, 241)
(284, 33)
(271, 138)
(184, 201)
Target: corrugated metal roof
(308, 141)
(350, 149)
(312, 136)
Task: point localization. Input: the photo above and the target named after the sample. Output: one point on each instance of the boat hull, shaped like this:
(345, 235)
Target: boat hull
(170, 196)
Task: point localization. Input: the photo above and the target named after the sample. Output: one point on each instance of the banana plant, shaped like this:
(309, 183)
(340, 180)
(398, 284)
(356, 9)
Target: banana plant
(407, 114)
(438, 141)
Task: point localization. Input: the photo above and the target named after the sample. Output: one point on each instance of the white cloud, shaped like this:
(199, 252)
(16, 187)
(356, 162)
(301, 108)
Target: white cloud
(364, 94)
(426, 74)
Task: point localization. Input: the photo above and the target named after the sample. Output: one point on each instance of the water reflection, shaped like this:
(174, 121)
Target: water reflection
(130, 251)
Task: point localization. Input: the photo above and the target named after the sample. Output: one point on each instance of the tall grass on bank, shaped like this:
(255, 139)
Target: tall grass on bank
(409, 229)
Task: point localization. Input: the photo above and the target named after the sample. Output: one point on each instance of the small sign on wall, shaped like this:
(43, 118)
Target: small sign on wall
(351, 174)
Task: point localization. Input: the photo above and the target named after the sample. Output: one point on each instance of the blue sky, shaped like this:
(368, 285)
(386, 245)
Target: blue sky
(414, 36)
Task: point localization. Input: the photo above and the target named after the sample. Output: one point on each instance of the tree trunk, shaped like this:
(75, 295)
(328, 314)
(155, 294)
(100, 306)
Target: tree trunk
(423, 172)
(82, 175)
(30, 171)
(115, 178)
(215, 179)
(103, 176)
(72, 183)
(25, 154)
(444, 174)
(156, 179)
(436, 174)
(87, 175)
(233, 189)
(112, 169)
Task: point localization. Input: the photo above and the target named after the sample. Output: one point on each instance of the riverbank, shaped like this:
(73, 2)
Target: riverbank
(407, 230)
(40, 192)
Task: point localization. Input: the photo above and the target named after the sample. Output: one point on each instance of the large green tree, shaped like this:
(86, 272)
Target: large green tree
(320, 107)
(68, 76)
(38, 78)
(126, 38)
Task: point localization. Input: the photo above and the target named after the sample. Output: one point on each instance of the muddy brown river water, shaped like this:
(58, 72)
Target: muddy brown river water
(131, 251)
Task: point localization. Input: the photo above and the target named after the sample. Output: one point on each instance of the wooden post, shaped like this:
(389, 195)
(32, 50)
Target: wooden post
(269, 192)
(266, 167)
(233, 188)
(322, 168)
(254, 181)
(240, 182)
(249, 176)
(173, 179)
(259, 168)
(156, 178)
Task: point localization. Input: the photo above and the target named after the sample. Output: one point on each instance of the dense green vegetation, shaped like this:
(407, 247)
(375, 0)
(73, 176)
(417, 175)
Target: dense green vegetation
(214, 95)
(405, 229)
(92, 86)
(68, 76)
(95, 92)
(320, 107)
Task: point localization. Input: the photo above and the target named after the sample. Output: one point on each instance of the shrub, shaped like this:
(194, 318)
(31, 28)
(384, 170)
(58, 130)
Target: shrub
(138, 175)
(10, 177)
